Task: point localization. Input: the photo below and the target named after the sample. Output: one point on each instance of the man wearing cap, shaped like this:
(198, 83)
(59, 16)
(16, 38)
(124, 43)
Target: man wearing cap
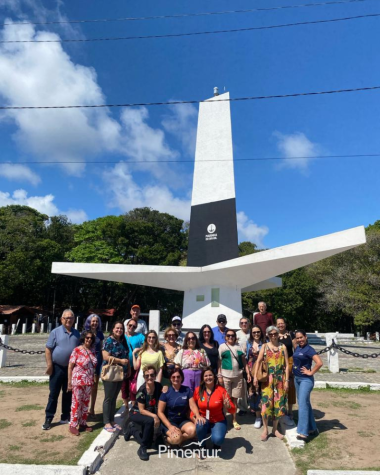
(177, 326)
(141, 325)
(220, 331)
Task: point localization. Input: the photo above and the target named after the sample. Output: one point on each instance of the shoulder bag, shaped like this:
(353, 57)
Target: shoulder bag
(262, 371)
(112, 372)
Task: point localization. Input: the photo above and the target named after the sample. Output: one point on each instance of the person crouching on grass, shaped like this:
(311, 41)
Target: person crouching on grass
(81, 372)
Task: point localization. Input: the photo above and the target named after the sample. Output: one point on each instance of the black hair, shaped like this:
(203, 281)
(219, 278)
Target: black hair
(84, 334)
(202, 386)
(185, 341)
(201, 337)
(250, 339)
(177, 369)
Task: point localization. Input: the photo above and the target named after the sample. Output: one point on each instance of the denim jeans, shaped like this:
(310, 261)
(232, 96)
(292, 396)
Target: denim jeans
(218, 431)
(306, 421)
(58, 383)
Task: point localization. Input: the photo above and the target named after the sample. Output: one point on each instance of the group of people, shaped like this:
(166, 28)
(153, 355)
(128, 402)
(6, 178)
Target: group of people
(185, 386)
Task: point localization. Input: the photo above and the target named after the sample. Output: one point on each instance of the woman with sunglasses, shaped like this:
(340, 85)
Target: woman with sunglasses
(134, 340)
(192, 359)
(252, 349)
(143, 419)
(303, 358)
(114, 347)
(273, 391)
(288, 339)
(233, 362)
(81, 372)
(173, 410)
(170, 350)
(207, 342)
(93, 323)
(149, 355)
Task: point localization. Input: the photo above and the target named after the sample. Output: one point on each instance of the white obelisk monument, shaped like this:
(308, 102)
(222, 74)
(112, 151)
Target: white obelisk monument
(215, 276)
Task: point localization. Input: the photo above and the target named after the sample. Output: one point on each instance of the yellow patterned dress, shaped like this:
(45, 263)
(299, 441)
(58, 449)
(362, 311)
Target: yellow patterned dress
(273, 394)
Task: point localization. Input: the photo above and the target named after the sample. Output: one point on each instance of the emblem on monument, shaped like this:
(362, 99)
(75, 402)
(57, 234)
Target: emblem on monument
(211, 228)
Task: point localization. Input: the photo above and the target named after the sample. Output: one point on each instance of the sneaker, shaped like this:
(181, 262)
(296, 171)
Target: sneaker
(287, 421)
(47, 424)
(142, 453)
(258, 423)
(73, 430)
(64, 421)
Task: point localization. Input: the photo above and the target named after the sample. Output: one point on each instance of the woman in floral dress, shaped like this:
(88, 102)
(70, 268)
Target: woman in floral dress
(192, 359)
(170, 350)
(274, 391)
(81, 374)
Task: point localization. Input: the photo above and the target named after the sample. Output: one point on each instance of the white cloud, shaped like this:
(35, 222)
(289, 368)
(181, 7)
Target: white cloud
(250, 231)
(296, 145)
(43, 204)
(43, 74)
(17, 172)
(182, 123)
(126, 194)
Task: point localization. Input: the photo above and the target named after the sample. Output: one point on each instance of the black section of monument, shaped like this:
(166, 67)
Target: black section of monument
(206, 244)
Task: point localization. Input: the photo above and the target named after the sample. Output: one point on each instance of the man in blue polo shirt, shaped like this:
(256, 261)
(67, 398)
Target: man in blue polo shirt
(220, 331)
(61, 342)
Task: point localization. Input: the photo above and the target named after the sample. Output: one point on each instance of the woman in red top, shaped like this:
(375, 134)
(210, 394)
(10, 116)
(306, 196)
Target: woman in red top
(81, 371)
(211, 399)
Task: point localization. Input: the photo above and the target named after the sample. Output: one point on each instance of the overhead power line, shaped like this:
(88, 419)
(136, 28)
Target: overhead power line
(171, 103)
(253, 159)
(198, 33)
(184, 15)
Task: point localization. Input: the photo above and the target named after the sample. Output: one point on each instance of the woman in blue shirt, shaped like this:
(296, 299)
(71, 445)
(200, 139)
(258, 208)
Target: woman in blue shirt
(303, 358)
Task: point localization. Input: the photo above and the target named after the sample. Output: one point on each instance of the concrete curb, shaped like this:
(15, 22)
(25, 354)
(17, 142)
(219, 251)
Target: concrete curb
(290, 432)
(348, 385)
(17, 469)
(18, 379)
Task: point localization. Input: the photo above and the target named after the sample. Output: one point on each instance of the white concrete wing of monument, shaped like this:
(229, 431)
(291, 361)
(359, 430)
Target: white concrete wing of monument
(254, 272)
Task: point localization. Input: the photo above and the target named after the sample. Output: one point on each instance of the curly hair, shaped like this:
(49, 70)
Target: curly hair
(87, 323)
(84, 334)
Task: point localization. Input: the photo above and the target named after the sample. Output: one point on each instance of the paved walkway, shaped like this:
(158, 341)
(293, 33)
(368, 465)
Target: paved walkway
(242, 453)
(352, 369)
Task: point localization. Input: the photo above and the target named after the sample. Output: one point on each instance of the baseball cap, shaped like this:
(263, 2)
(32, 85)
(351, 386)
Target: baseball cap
(176, 318)
(136, 306)
(221, 318)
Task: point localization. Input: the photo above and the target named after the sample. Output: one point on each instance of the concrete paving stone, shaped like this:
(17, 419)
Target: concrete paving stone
(242, 451)
(20, 469)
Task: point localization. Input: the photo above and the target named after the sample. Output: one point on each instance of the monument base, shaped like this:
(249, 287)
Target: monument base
(203, 304)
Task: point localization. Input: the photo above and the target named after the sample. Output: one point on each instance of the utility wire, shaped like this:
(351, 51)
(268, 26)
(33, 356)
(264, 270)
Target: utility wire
(254, 159)
(177, 35)
(170, 103)
(185, 15)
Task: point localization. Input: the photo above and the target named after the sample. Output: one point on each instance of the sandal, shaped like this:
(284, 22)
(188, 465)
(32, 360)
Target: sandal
(264, 436)
(236, 425)
(302, 437)
(116, 426)
(278, 435)
(109, 429)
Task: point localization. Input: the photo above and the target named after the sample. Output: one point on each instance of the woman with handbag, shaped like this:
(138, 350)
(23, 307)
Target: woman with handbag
(252, 349)
(149, 355)
(94, 324)
(170, 350)
(272, 360)
(134, 340)
(233, 363)
(115, 368)
(81, 372)
(192, 359)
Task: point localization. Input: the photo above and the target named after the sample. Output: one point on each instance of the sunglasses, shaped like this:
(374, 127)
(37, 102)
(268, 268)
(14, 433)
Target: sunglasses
(191, 338)
(206, 331)
(172, 335)
(68, 318)
(176, 324)
(175, 377)
(151, 338)
(272, 334)
(256, 333)
(88, 338)
(230, 336)
(244, 323)
(149, 376)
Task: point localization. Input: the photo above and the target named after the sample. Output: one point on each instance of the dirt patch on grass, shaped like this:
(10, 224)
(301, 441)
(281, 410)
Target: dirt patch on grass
(349, 432)
(21, 438)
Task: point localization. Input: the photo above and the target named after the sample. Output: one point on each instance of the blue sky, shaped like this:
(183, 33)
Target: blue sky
(278, 202)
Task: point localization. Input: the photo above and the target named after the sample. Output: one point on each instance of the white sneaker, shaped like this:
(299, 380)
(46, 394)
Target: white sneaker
(258, 423)
(64, 421)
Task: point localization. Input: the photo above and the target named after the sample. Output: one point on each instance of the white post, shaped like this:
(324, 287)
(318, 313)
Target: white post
(377, 336)
(106, 327)
(23, 331)
(3, 351)
(42, 328)
(1, 328)
(33, 328)
(76, 326)
(332, 355)
(154, 320)
(56, 322)
(368, 335)
(13, 328)
(49, 327)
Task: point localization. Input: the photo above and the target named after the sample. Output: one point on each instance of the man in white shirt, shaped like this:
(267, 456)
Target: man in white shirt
(141, 325)
(244, 332)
